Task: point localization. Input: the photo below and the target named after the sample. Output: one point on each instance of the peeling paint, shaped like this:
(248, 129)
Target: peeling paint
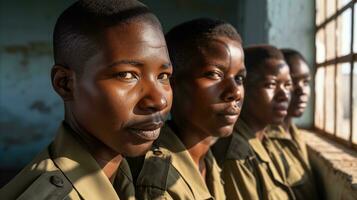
(32, 49)
(41, 107)
(10, 134)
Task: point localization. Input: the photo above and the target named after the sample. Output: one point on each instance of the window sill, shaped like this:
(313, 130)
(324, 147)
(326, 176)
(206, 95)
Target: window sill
(335, 166)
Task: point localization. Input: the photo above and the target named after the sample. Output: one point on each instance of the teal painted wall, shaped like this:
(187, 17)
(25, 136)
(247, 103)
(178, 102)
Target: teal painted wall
(30, 111)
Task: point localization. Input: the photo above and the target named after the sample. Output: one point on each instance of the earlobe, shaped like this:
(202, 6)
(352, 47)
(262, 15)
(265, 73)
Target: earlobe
(62, 81)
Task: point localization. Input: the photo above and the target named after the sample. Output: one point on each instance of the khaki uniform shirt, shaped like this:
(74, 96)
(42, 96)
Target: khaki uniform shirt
(169, 172)
(65, 170)
(248, 171)
(290, 156)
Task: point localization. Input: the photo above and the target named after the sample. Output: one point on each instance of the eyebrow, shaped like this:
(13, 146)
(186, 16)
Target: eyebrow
(221, 67)
(243, 71)
(136, 63)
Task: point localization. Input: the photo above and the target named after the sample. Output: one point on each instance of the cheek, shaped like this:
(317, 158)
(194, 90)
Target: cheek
(265, 97)
(307, 90)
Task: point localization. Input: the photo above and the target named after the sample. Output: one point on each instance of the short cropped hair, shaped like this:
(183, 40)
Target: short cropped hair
(290, 54)
(255, 57)
(185, 39)
(78, 29)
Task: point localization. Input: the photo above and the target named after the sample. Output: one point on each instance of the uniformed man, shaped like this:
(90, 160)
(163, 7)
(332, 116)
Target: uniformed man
(207, 57)
(247, 168)
(112, 71)
(292, 154)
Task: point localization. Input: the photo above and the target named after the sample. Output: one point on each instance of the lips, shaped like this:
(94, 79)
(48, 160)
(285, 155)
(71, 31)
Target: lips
(148, 131)
(229, 115)
(281, 109)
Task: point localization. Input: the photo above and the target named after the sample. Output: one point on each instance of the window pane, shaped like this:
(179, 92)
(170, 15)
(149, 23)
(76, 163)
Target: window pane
(343, 101)
(344, 26)
(319, 98)
(354, 136)
(330, 40)
(329, 99)
(331, 7)
(341, 3)
(320, 46)
(355, 29)
(320, 11)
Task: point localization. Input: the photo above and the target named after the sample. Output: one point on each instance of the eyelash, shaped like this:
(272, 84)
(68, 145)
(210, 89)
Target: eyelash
(240, 79)
(215, 75)
(122, 76)
(167, 79)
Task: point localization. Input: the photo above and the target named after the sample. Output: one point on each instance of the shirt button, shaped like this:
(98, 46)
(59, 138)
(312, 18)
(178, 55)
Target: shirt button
(157, 152)
(57, 181)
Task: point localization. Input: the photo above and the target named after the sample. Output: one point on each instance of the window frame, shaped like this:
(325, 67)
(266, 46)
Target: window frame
(350, 58)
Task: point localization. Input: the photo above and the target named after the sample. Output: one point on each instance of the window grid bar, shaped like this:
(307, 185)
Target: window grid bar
(335, 75)
(352, 57)
(325, 71)
(334, 16)
(343, 59)
(351, 78)
(336, 139)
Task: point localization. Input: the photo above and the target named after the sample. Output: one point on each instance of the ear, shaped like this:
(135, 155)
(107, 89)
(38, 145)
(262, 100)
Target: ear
(62, 81)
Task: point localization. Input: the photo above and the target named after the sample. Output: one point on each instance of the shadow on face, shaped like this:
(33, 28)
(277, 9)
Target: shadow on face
(300, 75)
(123, 95)
(208, 92)
(268, 92)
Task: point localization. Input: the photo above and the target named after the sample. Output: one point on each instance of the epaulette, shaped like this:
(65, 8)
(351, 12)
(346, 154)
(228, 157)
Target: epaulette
(155, 170)
(50, 185)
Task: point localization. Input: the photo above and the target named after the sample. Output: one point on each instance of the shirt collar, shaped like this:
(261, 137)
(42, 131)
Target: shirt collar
(80, 167)
(182, 161)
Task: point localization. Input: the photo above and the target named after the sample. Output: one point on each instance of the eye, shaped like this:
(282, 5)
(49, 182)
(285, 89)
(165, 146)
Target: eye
(214, 75)
(240, 79)
(126, 76)
(164, 77)
(306, 82)
(270, 85)
(288, 85)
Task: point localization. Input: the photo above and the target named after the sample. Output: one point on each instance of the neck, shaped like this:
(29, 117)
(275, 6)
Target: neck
(107, 159)
(254, 125)
(198, 144)
(287, 123)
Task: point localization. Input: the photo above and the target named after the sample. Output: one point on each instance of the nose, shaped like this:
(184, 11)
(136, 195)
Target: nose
(153, 99)
(232, 91)
(283, 93)
(300, 88)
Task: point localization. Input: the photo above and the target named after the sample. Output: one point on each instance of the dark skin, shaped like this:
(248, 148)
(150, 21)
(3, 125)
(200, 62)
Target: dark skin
(118, 104)
(268, 95)
(300, 75)
(211, 90)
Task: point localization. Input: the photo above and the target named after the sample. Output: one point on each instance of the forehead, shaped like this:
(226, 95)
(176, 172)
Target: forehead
(220, 47)
(219, 50)
(134, 33)
(273, 67)
(299, 67)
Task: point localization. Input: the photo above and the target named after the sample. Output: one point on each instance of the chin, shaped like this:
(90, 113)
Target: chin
(136, 150)
(298, 113)
(224, 131)
(277, 120)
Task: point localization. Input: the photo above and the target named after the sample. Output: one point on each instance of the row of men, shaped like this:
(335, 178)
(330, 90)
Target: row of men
(119, 78)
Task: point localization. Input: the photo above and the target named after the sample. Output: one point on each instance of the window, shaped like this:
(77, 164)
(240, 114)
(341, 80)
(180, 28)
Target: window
(336, 73)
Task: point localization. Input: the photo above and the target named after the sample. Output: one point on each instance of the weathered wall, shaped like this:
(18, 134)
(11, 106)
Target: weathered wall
(291, 25)
(174, 12)
(285, 24)
(29, 110)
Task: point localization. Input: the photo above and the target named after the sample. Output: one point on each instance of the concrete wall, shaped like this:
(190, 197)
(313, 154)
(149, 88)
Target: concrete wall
(285, 24)
(30, 111)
